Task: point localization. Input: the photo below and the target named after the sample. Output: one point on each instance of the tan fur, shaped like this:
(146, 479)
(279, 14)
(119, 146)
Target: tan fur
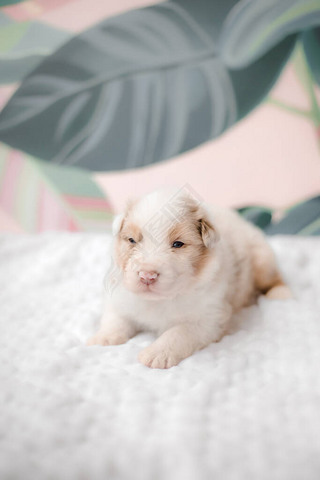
(122, 254)
(279, 292)
(191, 234)
(123, 248)
(130, 230)
(224, 264)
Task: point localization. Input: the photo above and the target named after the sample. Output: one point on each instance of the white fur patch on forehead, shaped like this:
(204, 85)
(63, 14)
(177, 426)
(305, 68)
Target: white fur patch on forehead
(171, 203)
(161, 218)
(158, 211)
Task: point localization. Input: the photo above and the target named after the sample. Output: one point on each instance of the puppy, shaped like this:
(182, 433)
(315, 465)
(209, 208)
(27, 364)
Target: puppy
(181, 271)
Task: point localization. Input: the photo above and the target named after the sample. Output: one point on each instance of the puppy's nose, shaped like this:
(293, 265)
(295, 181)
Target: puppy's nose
(148, 277)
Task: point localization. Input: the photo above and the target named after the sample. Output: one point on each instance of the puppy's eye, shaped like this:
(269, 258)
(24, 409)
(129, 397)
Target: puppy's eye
(177, 244)
(131, 240)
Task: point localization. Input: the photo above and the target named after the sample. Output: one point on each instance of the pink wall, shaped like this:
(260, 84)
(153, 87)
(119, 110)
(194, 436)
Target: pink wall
(271, 157)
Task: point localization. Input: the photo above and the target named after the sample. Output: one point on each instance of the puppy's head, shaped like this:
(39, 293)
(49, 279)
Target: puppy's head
(162, 244)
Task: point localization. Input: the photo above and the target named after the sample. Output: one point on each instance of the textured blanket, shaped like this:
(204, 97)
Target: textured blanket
(245, 408)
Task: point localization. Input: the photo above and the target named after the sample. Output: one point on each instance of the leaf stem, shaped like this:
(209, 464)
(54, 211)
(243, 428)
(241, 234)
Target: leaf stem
(315, 110)
(289, 108)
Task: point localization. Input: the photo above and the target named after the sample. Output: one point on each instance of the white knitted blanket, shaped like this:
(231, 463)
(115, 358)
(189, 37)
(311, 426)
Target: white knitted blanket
(245, 408)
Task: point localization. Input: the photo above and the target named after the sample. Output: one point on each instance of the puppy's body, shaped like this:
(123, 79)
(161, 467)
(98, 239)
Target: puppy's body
(184, 293)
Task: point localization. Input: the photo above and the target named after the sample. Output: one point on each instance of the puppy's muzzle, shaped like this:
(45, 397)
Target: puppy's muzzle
(148, 278)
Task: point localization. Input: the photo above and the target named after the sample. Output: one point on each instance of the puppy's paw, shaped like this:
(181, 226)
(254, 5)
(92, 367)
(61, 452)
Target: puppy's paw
(279, 292)
(154, 357)
(103, 338)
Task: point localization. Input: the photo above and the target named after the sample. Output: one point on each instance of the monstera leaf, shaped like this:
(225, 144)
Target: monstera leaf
(311, 44)
(24, 45)
(259, 216)
(4, 3)
(301, 219)
(40, 196)
(255, 26)
(152, 83)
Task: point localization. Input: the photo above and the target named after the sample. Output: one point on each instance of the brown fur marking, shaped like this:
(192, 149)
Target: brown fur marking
(191, 231)
(131, 230)
(123, 247)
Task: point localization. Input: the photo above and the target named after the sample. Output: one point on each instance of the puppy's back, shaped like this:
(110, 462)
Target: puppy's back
(254, 268)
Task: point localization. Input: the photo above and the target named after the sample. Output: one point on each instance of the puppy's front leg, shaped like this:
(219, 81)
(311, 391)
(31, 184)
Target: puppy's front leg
(114, 330)
(178, 343)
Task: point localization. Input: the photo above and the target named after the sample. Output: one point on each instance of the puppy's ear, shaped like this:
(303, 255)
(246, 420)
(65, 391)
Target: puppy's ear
(117, 224)
(119, 219)
(208, 233)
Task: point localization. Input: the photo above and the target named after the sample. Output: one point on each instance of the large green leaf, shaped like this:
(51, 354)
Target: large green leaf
(259, 216)
(4, 3)
(301, 219)
(39, 196)
(11, 33)
(137, 88)
(24, 45)
(311, 44)
(254, 26)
